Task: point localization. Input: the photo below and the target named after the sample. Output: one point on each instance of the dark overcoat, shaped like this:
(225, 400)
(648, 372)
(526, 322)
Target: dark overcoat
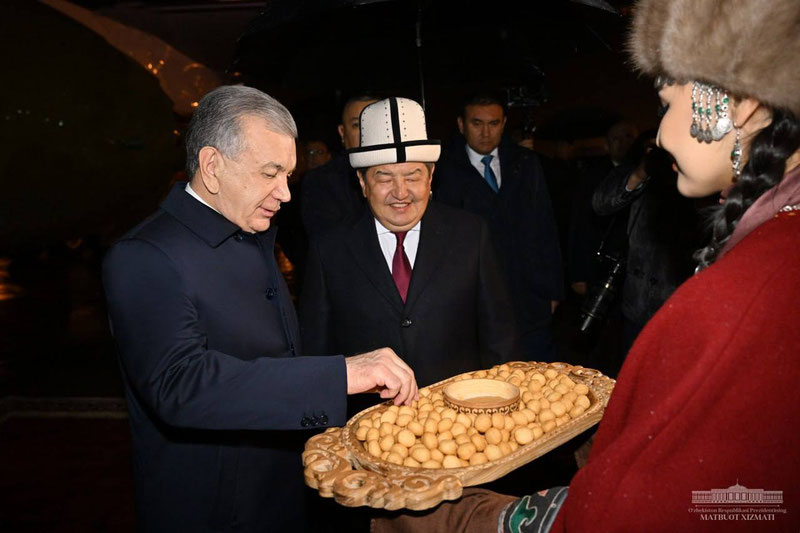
(209, 351)
(456, 318)
(520, 219)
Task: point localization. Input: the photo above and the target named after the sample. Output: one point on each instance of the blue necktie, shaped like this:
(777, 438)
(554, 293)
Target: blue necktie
(488, 173)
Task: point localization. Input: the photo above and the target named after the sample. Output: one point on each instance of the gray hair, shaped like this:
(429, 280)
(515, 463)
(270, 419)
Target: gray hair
(216, 121)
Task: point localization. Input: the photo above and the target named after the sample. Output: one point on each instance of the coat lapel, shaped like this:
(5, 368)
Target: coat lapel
(368, 255)
(508, 170)
(432, 248)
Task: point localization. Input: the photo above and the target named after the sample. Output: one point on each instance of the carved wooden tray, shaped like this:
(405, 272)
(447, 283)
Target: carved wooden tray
(338, 466)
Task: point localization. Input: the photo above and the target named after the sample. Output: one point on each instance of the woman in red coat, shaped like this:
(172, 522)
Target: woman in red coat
(701, 433)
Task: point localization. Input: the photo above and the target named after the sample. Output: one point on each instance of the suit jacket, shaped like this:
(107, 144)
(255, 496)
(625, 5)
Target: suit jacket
(520, 219)
(209, 352)
(331, 195)
(456, 316)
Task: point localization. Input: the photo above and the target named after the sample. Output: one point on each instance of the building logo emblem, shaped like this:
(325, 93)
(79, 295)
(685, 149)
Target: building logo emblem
(737, 503)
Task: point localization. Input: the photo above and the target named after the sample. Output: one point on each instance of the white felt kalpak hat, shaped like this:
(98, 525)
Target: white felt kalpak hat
(393, 131)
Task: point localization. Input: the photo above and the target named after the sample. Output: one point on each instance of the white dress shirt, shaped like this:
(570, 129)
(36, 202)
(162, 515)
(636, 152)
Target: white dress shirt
(388, 243)
(475, 159)
(197, 196)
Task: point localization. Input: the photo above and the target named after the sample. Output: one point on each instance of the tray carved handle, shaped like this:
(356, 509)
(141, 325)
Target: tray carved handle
(329, 469)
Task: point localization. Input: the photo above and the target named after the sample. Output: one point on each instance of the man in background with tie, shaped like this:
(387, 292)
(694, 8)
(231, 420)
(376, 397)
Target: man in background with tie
(411, 274)
(487, 174)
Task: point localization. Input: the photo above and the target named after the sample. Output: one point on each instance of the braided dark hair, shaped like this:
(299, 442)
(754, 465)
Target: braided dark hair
(765, 168)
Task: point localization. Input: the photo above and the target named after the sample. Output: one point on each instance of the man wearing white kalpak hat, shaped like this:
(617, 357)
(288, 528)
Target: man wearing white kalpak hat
(411, 274)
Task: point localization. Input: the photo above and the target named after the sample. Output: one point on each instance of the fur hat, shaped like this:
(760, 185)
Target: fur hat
(748, 47)
(393, 131)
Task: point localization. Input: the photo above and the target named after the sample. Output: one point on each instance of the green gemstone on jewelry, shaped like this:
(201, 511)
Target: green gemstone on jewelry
(725, 100)
(717, 108)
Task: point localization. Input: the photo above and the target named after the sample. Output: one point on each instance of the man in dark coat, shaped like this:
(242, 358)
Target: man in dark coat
(208, 339)
(414, 275)
(662, 231)
(484, 173)
(331, 194)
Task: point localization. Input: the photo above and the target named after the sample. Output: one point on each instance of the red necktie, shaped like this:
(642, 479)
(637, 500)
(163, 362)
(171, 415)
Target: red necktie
(401, 266)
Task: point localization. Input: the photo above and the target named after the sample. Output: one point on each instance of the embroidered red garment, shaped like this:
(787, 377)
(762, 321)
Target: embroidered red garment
(707, 399)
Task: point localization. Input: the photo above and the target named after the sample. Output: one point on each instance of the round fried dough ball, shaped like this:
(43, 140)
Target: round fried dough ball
(583, 401)
(421, 454)
(416, 428)
(523, 435)
(445, 424)
(410, 461)
(493, 436)
(479, 441)
(386, 442)
(373, 434)
(465, 451)
(498, 420)
(493, 452)
(374, 448)
(448, 447)
(430, 441)
(478, 459)
(462, 439)
(431, 426)
(406, 438)
(558, 409)
(451, 461)
(435, 465)
(445, 435)
(545, 415)
(483, 422)
(389, 416)
(519, 418)
(399, 449)
(577, 411)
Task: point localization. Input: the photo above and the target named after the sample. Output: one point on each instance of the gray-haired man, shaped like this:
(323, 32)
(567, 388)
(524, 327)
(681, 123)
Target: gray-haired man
(208, 339)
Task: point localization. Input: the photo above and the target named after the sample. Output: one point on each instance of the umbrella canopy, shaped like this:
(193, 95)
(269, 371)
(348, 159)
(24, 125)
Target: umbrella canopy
(301, 47)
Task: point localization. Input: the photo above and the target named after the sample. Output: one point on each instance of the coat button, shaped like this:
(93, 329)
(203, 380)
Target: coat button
(406, 322)
(323, 419)
(270, 294)
(305, 421)
(238, 237)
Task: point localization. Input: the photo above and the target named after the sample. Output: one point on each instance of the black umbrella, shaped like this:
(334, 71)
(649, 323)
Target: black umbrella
(298, 49)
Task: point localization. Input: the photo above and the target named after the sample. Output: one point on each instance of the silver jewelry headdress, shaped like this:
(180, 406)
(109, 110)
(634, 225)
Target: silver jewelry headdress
(702, 128)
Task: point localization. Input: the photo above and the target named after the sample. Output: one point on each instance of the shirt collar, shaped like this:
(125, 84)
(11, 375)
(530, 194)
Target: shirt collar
(381, 229)
(475, 157)
(196, 196)
(201, 219)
